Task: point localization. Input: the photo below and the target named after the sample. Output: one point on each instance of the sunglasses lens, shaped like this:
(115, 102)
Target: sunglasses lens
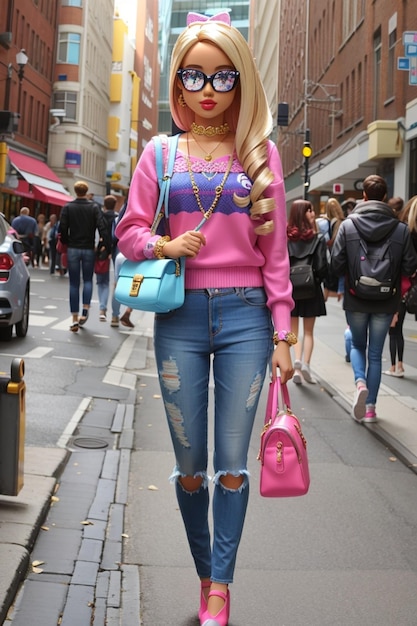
(193, 80)
(224, 80)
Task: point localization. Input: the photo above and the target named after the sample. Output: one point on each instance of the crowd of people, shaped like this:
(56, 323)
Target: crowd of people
(81, 244)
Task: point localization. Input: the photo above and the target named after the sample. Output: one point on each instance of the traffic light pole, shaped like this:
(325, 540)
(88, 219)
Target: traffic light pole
(307, 152)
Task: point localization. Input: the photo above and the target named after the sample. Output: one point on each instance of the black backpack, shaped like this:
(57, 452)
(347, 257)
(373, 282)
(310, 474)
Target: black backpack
(302, 275)
(374, 266)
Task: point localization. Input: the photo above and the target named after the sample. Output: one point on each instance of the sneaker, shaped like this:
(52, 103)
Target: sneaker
(114, 322)
(389, 373)
(103, 317)
(297, 378)
(370, 416)
(305, 370)
(399, 373)
(359, 403)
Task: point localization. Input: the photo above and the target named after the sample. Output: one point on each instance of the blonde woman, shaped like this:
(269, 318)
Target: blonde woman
(335, 215)
(237, 284)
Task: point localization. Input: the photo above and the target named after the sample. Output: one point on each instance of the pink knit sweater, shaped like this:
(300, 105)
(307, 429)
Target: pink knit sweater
(234, 255)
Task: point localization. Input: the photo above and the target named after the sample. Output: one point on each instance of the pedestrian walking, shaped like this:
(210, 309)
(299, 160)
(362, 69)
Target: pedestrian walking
(332, 285)
(78, 223)
(51, 232)
(304, 241)
(102, 265)
(408, 215)
(26, 228)
(236, 279)
(372, 250)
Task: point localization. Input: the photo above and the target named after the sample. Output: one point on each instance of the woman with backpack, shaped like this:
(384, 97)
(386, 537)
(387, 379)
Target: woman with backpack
(372, 250)
(306, 246)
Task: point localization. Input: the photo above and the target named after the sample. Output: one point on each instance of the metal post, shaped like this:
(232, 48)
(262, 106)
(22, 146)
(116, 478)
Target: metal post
(12, 429)
(7, 89)
(307, 152)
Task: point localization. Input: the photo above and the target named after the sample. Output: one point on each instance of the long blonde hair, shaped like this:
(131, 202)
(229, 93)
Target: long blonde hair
(409, 214)
(249, 116)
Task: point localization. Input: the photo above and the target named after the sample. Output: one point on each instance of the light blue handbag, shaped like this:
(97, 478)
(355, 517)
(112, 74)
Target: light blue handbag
(155, 285)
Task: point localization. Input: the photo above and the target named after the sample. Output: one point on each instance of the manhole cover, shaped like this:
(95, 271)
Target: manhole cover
(90, 442)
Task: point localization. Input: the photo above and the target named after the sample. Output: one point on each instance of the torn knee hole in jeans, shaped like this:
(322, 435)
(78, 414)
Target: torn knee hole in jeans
(244, 474)
(177, 475)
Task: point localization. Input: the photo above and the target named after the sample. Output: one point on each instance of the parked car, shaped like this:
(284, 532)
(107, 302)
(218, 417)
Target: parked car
(14, 284)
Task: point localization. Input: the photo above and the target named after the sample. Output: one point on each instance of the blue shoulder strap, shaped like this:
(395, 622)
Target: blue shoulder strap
(164, 179)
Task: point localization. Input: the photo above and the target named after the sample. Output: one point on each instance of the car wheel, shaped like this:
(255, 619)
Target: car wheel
(23, 325)
(6, 333)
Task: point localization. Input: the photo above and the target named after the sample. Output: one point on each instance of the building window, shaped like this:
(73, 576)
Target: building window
(391, 63)
(67, 100)
(377, 73)
(69, 48)
(72, 3)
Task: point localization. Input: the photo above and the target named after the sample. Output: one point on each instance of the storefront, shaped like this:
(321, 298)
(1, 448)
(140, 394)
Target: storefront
(30, 182)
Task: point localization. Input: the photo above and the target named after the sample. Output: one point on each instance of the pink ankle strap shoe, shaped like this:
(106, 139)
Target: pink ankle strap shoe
(222, 617)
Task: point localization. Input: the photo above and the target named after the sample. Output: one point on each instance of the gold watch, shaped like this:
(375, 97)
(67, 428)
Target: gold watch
(285, 335)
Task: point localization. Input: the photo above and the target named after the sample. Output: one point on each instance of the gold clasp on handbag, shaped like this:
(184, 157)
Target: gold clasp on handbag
(279, 452)
(137, 280)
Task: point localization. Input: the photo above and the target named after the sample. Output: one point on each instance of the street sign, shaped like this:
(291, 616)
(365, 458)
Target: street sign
(338, 189)
(403, 63)
(409, 62)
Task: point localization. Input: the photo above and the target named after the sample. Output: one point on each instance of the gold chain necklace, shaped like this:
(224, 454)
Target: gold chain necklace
(209, 155)
(209, 131)
(218, 189)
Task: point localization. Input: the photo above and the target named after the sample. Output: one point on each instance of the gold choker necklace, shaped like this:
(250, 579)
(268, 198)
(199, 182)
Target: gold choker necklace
(210, 131)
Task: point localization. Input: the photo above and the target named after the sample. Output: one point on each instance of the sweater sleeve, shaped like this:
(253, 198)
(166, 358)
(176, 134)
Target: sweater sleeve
(133, 231)
(276, 269)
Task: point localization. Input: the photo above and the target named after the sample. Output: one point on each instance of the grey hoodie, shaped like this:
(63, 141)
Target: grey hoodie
(375, 221)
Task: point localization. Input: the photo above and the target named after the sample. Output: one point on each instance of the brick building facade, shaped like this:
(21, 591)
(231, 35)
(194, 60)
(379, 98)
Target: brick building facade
(338, 73)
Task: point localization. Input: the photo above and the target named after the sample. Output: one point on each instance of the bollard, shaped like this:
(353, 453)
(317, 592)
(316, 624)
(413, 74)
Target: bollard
(12, 429)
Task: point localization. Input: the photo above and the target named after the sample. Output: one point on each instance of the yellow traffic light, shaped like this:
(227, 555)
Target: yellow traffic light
(307, 151)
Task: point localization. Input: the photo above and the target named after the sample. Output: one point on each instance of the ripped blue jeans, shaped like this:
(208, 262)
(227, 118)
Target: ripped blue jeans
(232, 329)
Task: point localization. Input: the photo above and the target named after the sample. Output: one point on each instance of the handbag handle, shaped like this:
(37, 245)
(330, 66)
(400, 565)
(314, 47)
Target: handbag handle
(277, 390)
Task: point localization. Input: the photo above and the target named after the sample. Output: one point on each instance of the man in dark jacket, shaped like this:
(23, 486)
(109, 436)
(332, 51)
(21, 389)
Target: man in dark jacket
(369, 319)
(77, 227)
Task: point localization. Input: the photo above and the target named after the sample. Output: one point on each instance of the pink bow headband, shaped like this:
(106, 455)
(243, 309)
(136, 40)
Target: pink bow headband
(197, 17)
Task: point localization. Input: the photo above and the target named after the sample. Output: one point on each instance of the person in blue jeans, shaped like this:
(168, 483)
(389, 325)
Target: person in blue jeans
(369, 319)
(236, 318)
(77, 226)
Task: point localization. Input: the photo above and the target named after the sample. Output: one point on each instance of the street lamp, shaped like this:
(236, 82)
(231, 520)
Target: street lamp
(21, 60)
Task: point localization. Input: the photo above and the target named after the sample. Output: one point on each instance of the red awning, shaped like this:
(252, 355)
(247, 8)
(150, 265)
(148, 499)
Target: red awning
(50, 196)
(44, 183)
(25, 163)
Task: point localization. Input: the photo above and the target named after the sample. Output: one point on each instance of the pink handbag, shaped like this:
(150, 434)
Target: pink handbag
(283, 451)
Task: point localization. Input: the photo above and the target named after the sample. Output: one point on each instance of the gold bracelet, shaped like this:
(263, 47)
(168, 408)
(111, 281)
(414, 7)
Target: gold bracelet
(285, 335)
(158, 247)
